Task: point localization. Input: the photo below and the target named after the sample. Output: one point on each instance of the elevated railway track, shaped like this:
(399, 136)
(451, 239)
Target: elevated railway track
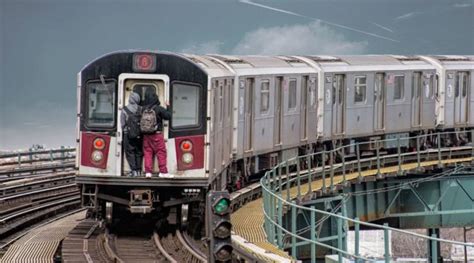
(258, 236)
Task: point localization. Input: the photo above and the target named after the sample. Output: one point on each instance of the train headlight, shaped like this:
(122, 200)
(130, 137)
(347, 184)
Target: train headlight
(99, 143)
(97, 156)
(186, 146)
(187, 158)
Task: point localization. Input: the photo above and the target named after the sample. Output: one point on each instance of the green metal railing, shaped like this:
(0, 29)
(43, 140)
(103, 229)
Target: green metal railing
(286, 185)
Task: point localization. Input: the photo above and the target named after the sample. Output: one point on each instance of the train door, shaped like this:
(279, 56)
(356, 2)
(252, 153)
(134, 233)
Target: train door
(416, 100)
(278, 111)
(304, 109)
(461, 97)
(338, 104)
(249, 113)
(379, 101)
(141, 84)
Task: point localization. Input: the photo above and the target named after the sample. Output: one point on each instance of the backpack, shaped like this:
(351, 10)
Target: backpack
(148, 123)
(132, 124)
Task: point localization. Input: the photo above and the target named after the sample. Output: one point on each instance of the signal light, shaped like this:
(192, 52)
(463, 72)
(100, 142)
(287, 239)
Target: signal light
(219, 226)
(223, 252)
(222, 229)
(99, 143)
(144, 62)
(221, 206)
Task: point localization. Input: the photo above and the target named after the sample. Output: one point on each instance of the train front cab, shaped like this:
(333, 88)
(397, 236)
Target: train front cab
(102, 165)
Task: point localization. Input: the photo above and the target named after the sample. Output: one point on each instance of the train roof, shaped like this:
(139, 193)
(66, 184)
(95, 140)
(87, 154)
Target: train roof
(226, 65)
(310, 63)
(454, 62)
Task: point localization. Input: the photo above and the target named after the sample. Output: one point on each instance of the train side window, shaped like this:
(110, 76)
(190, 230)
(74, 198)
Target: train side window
(231, 95)
(416, 85)
(100, 104)
(457, 84)
(464, 84)
(292, 94)
(221, 102)
(185, 105)
(399, 87)
(360, 85)
(264, 96)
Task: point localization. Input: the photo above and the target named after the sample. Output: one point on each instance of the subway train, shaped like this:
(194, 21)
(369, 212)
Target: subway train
(234, 117)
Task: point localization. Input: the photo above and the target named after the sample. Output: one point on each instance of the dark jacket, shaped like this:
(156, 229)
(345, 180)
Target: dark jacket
(151, 101)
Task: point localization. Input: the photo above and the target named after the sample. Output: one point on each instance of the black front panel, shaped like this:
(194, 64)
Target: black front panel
(177, 68)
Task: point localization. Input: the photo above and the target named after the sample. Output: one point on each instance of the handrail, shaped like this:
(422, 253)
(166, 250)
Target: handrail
(276, 184)
(42, 151)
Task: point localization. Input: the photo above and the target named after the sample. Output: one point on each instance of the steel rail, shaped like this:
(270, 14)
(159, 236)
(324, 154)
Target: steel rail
(190, 248)
(35, 192)
(157, 240)
(5, 219)
(109, 250)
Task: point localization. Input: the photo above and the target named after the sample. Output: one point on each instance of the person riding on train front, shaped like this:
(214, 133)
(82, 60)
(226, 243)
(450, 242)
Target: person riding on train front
(132, 139)
(151, 125)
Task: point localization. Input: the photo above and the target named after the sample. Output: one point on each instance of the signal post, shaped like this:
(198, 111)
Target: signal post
(219, 226)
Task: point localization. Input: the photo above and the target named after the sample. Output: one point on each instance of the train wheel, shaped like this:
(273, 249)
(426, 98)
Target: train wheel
(109, 212)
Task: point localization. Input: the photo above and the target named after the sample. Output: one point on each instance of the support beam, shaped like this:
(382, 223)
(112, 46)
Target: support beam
(434, 248)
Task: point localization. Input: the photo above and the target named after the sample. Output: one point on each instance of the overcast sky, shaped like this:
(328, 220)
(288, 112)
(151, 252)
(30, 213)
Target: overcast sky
(44, 43)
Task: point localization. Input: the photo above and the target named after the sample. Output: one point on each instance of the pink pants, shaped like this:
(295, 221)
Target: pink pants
(154, 145)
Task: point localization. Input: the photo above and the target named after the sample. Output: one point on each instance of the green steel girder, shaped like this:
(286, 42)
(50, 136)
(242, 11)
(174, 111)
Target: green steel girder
(433, 200)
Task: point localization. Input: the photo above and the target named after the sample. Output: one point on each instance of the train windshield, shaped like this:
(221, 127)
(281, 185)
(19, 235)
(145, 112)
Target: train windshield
(100, 105)
(185, 105)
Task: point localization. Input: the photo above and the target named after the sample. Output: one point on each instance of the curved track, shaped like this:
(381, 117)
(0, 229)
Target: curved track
(25, 202)
(174, 247)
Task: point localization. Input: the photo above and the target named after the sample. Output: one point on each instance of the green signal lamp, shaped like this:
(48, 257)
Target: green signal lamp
(221, 206)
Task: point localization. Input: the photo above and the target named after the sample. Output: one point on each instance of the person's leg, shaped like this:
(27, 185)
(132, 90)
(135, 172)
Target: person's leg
(148, 152)
(139, 155)
(129, 153)
(161, 153)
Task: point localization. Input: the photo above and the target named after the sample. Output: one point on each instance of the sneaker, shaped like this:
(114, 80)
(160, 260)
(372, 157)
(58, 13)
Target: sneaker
(148, 175)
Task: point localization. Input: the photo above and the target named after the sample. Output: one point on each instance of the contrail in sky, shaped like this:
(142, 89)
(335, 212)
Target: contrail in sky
(382, 27)
(317, 19)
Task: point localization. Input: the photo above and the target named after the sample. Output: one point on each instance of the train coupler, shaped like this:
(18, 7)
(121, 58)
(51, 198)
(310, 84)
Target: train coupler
(141, 201)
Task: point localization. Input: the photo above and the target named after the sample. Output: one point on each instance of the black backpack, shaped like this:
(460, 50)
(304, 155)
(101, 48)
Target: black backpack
(132, 124)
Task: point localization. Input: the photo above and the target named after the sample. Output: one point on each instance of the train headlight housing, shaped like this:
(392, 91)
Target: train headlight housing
(99, 143)
(187, 158)
(97, 156)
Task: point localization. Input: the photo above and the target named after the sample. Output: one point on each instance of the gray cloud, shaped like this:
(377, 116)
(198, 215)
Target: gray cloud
(312, 38)
(462, 5)
(210, 47)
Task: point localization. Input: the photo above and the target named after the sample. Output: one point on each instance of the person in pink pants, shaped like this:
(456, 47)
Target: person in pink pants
(151, 125)
(154, 145)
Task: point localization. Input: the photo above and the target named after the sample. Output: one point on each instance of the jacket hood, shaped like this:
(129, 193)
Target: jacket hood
(133, 102)
(151, 98)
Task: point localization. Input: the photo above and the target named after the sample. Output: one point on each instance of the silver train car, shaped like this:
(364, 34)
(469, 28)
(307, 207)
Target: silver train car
(244, 114)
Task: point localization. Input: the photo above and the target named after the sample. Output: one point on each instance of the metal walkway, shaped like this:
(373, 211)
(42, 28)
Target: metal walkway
(41, 243)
